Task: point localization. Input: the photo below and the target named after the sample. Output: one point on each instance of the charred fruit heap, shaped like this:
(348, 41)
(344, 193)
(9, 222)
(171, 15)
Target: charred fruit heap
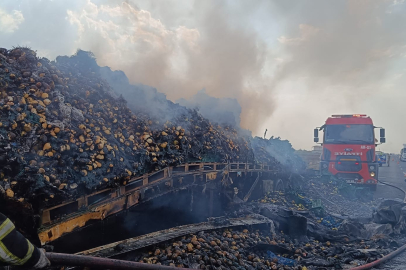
(258, 249)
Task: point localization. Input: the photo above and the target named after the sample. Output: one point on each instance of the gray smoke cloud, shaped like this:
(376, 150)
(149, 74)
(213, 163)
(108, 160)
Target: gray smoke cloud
(224, 58)
(217, 110)
(339, 57)
(347, 46)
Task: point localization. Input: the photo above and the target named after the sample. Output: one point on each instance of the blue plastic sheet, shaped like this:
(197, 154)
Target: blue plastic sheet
(281, 260)
(330, 222)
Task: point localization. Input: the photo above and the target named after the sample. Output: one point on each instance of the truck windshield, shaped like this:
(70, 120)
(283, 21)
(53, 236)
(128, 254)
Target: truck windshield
(349, 134)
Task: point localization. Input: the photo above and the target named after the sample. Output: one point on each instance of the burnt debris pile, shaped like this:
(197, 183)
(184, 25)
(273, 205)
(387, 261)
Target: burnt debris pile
(263, 249)
(221, 249)
(325, 223)
(275, 150)
(302, 231)
(64, 131)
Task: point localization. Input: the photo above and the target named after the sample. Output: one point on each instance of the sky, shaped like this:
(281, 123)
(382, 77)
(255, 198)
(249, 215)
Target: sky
(290, 64)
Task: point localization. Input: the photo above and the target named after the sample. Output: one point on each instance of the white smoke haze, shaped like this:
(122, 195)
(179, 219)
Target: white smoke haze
(355, 53)
(227, 60)
(289, 64)
(347, 56)
(221, 110)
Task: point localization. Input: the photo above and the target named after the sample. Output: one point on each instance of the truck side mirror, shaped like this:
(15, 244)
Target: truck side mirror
(316, 139)
(316, 133)
(383, 140)
(382, 132)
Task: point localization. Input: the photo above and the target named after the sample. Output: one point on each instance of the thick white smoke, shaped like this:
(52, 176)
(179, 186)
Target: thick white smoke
(288, 63)
(225, 59)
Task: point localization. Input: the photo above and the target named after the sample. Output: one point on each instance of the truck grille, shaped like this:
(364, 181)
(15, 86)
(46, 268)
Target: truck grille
(348, 163)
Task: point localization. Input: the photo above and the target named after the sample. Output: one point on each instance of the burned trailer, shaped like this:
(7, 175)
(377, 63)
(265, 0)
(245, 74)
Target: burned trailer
(220, 184)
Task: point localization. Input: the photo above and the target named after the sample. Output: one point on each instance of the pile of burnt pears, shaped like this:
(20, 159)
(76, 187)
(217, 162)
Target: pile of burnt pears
(64, 132)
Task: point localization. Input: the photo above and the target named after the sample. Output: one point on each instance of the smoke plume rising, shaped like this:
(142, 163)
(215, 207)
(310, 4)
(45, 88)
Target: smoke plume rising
(217, 110)
(288, 63)
(225, 59)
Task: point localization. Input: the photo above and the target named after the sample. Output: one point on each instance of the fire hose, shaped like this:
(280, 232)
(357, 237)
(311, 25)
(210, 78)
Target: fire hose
(390, 255)
(102, 263)
(381, 260)
(398, 188)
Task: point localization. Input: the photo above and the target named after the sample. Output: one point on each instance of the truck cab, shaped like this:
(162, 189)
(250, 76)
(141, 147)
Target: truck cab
(349, 149)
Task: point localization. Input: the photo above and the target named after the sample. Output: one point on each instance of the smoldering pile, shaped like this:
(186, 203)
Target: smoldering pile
(325, 241)
(275, 150)
(260, 249)
(317, 210)
(63, 133)
(227, 249)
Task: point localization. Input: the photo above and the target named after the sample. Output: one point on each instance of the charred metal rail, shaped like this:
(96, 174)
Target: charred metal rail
(136, 243)
(101, 263)
(66, 217)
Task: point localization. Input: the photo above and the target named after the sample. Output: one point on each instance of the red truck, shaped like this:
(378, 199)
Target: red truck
(349, 149)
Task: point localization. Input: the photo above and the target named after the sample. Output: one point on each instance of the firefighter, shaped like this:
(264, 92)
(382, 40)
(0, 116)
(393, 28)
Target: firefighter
(15, 249)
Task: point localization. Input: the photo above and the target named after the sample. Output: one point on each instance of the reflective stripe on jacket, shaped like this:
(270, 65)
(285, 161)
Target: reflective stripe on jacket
(15, 249)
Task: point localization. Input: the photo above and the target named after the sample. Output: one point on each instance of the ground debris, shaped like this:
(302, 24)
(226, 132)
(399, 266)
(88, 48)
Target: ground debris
(338, 237)
(259, 249)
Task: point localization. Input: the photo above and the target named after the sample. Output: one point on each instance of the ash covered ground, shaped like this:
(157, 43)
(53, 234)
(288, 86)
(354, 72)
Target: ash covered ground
(314, 225)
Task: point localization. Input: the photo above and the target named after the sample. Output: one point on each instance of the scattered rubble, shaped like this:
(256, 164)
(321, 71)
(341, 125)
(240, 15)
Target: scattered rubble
(371, 229)
(300, 236)
(259, 249)
(332, 196)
